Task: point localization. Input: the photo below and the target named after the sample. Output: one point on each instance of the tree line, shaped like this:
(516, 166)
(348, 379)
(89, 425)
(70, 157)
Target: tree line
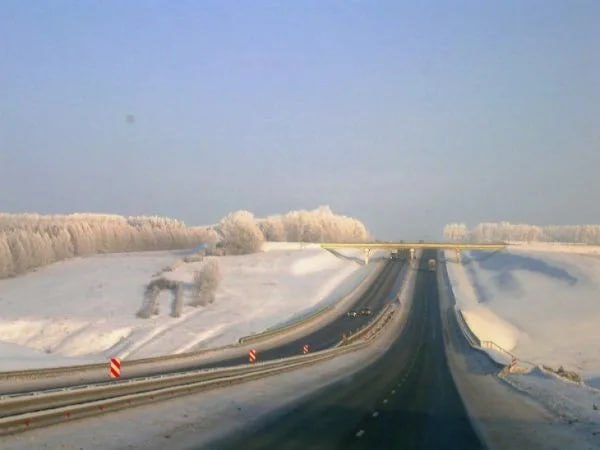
(506, 231)
(28, 241)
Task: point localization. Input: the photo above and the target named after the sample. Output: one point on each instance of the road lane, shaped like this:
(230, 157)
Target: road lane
(406, 399)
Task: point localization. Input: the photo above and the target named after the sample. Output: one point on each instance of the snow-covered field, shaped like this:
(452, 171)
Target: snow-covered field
(541, 303)
(84, 310)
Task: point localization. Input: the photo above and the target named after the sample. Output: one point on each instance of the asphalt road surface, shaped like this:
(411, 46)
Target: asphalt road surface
(405, 400)
(381, 292)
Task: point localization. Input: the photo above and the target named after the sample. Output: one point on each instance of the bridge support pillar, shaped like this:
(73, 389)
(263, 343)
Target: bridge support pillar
(367, 252)
(458, 255)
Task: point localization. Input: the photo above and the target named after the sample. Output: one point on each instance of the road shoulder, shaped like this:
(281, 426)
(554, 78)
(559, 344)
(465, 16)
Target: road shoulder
(503, 417)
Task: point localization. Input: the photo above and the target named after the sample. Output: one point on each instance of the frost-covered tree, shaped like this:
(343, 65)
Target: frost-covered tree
(33, 240)
(455, 232)
(273, 228)
(506, 231)
(240, 233)
(319, 225)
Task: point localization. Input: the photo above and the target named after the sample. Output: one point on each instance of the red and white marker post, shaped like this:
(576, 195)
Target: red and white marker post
(114, 368)
(252, 356)
(305, 349)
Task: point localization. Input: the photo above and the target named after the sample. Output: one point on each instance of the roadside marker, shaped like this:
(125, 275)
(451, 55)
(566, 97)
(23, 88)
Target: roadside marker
(252, 356)
(305, 349)
(114, 368)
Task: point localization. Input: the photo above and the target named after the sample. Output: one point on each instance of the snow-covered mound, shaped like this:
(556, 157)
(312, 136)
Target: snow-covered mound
(84, 309)
(543, 305)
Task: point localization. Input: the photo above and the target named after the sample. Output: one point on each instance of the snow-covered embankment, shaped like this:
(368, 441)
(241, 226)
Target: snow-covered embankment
(543, 305)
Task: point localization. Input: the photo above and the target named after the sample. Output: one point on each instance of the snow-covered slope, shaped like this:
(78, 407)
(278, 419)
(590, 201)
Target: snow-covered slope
(541, 304)
(84, 309)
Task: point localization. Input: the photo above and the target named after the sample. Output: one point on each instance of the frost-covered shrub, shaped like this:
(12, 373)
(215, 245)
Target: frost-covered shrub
(150, 303)
(205, 283)
(177, 305)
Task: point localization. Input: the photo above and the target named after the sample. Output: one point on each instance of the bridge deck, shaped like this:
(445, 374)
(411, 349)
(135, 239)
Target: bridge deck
(418, 245)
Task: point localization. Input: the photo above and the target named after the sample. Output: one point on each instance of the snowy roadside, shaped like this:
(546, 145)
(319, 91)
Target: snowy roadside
(571, 408)
(197, 420)
(504, 418)
(83, 310)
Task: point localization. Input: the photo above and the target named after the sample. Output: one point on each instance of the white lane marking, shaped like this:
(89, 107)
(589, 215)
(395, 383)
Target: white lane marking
(385, 400)
(376, 413)
(393, 391)
(359, 433)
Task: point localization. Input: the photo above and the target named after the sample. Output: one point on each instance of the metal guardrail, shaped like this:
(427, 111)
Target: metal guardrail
(48, 415)
(464, 326)
(383, 316)
(12, 404)
(284, 329)
(492, 345)
(478, 344)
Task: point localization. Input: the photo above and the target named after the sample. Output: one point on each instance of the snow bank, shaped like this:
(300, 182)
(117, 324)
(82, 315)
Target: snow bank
(84, 309)
(481, 319)
(544, 306)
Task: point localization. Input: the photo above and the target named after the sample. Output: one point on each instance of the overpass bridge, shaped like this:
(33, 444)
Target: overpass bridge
(412, 247)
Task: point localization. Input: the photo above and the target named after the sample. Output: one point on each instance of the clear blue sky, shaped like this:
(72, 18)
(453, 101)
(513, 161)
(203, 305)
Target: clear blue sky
(407, 115)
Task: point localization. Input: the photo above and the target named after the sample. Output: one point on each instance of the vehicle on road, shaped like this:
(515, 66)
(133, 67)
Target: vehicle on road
(365, 312)
(431, 265)
(352, 314)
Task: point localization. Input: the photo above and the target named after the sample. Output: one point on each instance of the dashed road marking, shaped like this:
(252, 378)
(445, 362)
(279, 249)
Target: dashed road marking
(385, 400)
(359, 433)
(376, 413)
(393, 391)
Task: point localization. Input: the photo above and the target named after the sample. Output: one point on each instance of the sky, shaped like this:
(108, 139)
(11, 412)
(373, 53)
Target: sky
(407, 115)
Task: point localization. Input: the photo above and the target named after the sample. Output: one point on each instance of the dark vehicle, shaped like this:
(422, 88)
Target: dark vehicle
(352, 314)
(365, 312)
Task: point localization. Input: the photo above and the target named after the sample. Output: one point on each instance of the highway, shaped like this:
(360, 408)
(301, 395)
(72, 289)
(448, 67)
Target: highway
(380, 293)
(47, 407)
(406, 399)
